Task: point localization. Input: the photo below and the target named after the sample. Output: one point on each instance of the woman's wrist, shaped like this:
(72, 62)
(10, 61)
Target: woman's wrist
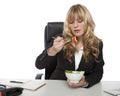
(51, 51)
(85, 84)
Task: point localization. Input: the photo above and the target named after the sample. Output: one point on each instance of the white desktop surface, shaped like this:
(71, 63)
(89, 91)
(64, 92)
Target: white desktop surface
(61, 88)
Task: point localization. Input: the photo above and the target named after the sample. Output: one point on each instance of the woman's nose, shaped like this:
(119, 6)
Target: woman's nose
(75, 24)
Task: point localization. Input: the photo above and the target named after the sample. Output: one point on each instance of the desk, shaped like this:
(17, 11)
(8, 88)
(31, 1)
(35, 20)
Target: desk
(61, 88)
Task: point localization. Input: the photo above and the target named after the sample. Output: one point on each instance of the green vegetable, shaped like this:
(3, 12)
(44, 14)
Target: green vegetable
(75, 72)
(68, 71)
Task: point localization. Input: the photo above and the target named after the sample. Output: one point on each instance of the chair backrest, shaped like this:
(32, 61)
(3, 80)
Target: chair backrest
(52, 29)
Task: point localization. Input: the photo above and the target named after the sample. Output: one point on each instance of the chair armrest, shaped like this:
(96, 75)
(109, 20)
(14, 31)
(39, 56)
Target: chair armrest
(38, 76)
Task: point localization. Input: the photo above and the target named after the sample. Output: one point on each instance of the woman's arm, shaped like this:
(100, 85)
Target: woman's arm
(44, 60)
(49, 55)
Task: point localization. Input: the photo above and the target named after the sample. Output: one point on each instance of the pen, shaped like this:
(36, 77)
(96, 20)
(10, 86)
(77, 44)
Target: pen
(16, 82)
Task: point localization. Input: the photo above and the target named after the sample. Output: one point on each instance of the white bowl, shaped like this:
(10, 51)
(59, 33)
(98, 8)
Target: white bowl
(74, 76)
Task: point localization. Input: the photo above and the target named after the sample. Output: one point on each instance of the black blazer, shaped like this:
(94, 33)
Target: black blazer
(93, 70)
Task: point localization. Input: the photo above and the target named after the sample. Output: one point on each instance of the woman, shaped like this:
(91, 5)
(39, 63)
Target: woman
(78, 49)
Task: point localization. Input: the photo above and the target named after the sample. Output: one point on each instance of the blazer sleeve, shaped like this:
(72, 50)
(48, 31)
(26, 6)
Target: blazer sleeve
(97, 73)
(44, 60)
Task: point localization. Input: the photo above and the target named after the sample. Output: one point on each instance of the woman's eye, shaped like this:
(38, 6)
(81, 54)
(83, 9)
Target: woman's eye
(71, 22)
(80, 21)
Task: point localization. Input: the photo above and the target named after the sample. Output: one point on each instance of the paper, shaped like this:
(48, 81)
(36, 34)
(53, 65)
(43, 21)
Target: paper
(115, 92)
(33, 85)
(26, 84)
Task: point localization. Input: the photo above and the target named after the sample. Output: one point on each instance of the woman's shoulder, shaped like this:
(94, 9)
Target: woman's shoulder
(99, 40)
(100, 43)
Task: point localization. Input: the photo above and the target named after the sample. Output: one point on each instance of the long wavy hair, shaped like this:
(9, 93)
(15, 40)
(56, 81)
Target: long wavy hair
(90, 41)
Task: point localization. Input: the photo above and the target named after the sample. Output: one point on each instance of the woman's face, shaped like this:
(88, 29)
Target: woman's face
(77, 27)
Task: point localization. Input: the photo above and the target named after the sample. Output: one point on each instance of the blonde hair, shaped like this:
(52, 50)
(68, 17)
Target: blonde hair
(90, 41)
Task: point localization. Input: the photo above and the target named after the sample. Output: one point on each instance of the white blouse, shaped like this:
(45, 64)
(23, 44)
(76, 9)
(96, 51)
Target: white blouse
(78, 56)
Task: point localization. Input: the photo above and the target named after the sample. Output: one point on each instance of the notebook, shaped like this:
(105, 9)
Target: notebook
(114, 92)
(33, 85)
(26, 84)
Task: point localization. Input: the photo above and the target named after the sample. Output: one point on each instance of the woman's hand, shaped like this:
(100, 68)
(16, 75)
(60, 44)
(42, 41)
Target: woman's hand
(57, 46)
(81, 83)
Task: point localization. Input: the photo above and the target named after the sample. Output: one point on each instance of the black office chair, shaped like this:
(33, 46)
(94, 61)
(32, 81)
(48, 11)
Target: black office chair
(52, 29)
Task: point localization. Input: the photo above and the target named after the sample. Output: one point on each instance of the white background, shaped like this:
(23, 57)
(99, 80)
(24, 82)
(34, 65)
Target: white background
(22, 33)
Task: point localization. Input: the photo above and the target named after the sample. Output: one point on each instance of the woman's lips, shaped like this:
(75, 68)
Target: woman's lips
(76, 31)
